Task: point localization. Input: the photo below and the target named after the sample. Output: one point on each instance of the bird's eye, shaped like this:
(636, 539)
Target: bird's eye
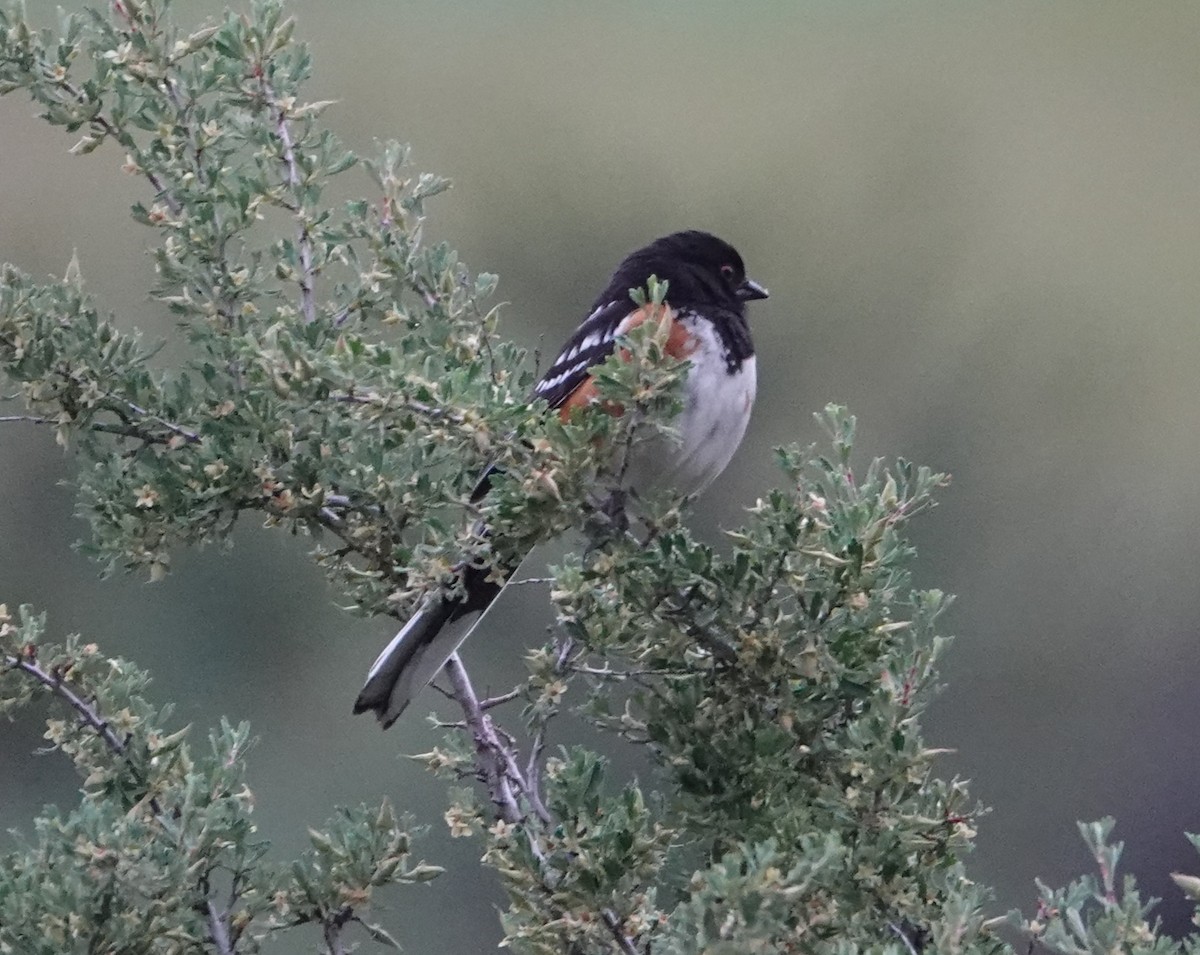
(727, 272)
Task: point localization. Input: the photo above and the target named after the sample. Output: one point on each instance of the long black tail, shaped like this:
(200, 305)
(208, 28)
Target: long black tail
(410, 662)
(419, 651)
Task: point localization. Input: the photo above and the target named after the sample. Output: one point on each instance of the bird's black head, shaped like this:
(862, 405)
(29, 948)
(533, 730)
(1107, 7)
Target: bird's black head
(701, 270)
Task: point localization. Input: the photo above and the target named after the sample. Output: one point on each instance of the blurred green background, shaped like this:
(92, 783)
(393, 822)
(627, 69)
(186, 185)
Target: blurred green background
(981, 230)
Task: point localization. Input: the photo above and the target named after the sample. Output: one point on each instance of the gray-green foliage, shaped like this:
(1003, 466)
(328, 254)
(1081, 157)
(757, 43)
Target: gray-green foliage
(345, 380)
(161, 853)
(1099, 914)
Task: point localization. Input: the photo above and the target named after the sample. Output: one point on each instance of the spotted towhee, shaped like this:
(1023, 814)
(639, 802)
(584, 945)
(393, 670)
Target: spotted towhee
(707, 292)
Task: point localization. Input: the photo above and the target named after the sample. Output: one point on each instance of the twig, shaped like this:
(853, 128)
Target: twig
(304, 247)
(489, 749)
(493, 701)
(332, 522)
(565, 646)
(533, 771)
(495, 760)
(389, 402)
(624, 942)
(60, 688)
(218, 930)
(505, 782)
(609, 673)
(720, 650)
(533, 767)
(903, 936)
(235, 890)
(102, 122)
(102, 427)
(332, 929)
(430, 298)
(524, 787)
(330, 518)
(190, 436)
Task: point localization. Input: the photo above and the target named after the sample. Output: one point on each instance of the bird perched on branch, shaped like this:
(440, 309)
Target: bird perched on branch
(707, 292)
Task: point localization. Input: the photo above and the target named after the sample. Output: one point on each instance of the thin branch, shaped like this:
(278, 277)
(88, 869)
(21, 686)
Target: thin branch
(190, 436)
(509, 754)
(101, 427)
(304, 244)
(720, 650)
(332, 522)
(235, 890)
(429, 297)
(533, 768)
(533, 771)
(127, 431)
(398, 402)
(63, 690)
(505, 783)
(496, 763)
(153, 178)
(493, 701)
(218, 930)
(624, 942)
(308, 303)
(101, 122)
(330, 518)
(903, 936)
(489, 749)
(332, 929)
(32, 419)
(608, 673)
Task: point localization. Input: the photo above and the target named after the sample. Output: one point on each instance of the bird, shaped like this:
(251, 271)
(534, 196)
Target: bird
(707, 293)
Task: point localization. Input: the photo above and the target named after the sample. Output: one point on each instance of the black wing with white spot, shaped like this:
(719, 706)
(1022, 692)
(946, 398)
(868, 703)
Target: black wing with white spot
(592, 343)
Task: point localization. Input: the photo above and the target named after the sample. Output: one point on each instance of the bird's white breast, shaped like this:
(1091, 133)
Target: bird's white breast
(716, 411)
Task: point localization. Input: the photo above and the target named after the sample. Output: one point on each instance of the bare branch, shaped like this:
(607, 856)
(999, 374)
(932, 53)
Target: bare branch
(103, 124)
(608, 673)
(533, 771)
(332, 930)
(720, 650)
(428, 296)
(125, 430)
(903, 936)
(64, 691)
(304, 244)
(332, 522)
(624, 942)
(218, 930)
(489, 748)
(190, 436)
(506, 784)
(533, 768)
(330, 518)
(399, 402)
(493, 701)
(308, 304)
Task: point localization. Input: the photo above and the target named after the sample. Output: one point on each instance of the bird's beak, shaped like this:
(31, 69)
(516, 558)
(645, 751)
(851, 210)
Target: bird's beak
(750, 291)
